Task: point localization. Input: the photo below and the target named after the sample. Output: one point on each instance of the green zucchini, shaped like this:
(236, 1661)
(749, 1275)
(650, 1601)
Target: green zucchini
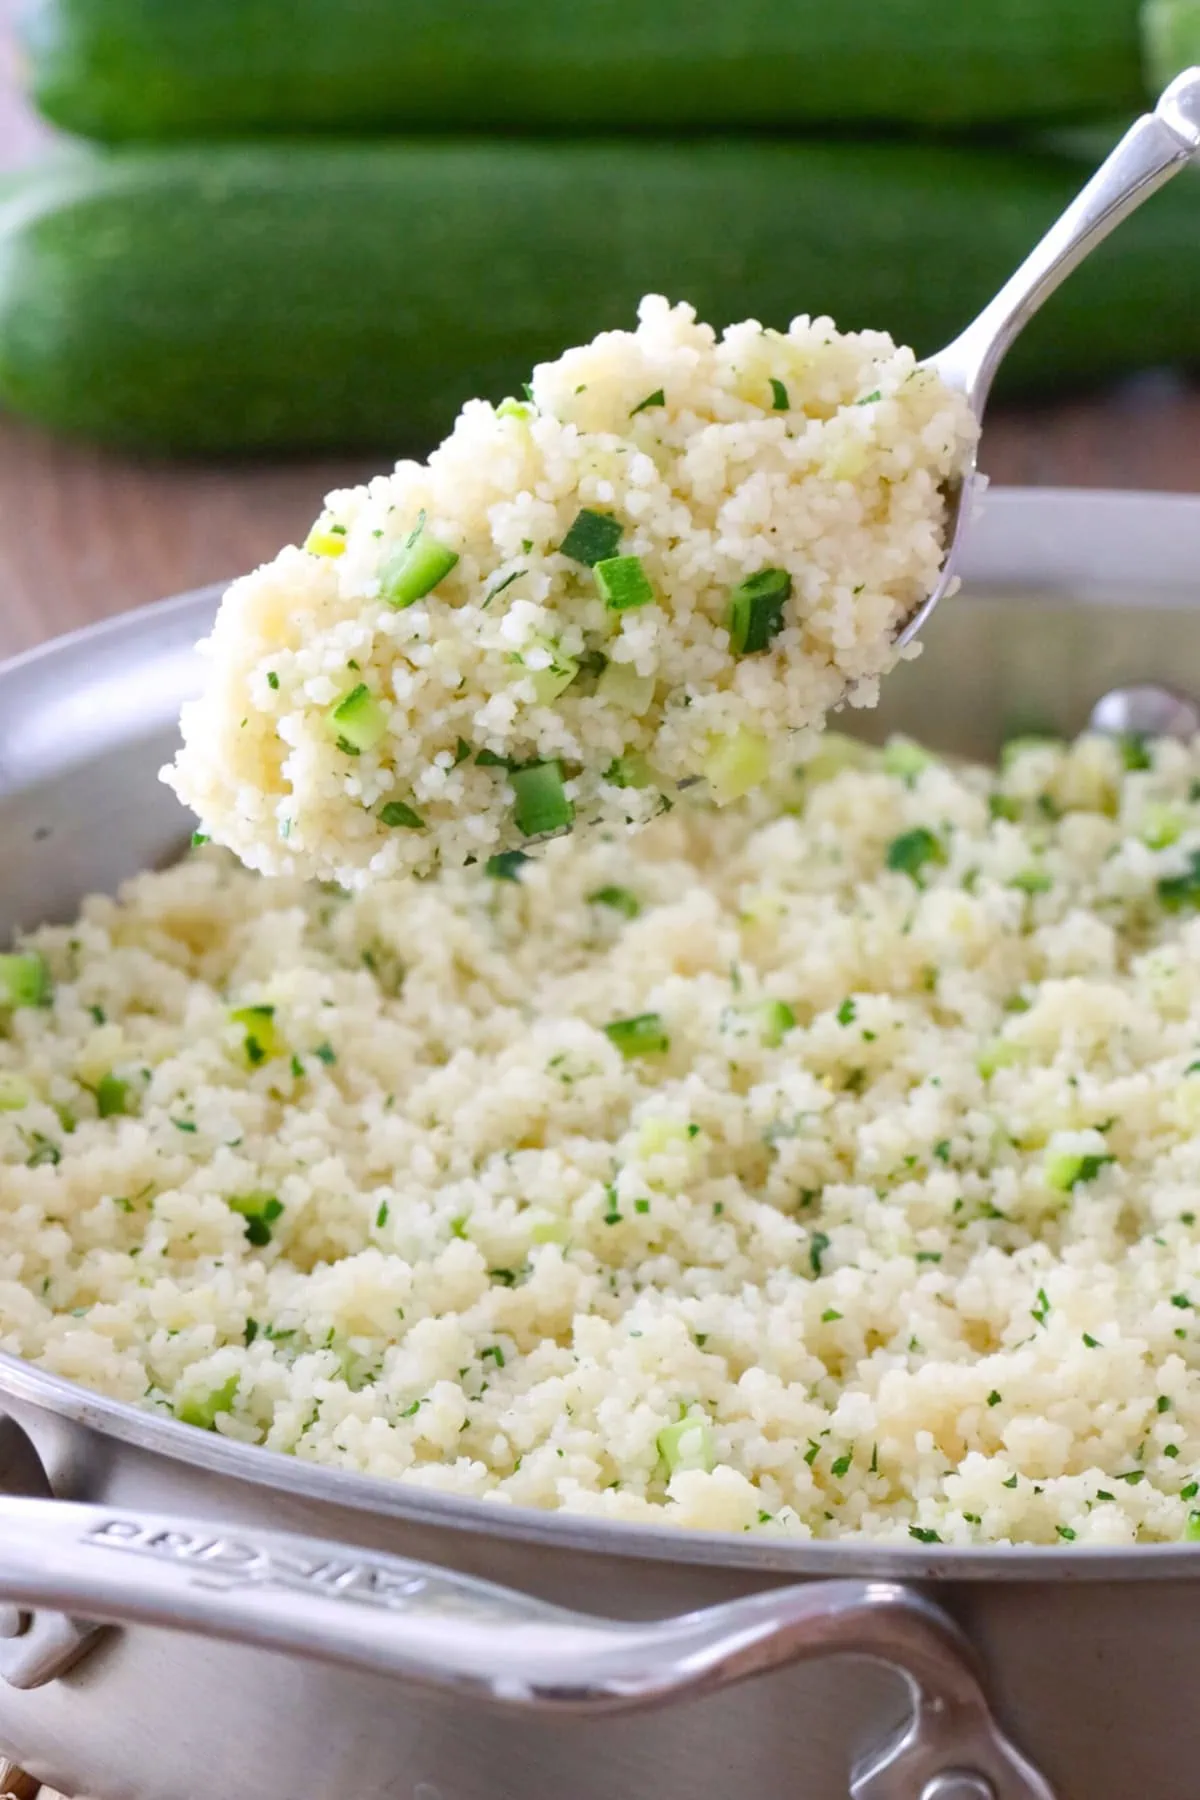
(342, 296)
(119, 70)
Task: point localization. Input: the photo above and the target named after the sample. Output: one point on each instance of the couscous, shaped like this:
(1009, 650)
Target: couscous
(823, 1166)
(662, 566)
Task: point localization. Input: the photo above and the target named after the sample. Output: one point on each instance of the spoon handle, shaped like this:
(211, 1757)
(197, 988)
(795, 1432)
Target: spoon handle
(1152, 150)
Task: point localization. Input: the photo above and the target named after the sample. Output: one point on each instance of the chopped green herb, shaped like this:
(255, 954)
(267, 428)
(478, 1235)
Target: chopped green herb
(396, 813)
(1162, 1404)
(1191, 1530)
(924, 1534)
(619, 899)
(1189, 1490)
(326, 1053)
(461, 752)
(942, 1150)
(909, 853)
(24, 980)
(44, 1153)
(779, 396)
(756, 611)
(623, 583)
(200, 837)
(1065, 1531)
(643, 1035)
(357, 720)
(496, 1354)
(1010, 1483)
(817, 1246)
(1042, 1310)
(415, 567)
(829, 1315)
(1132, 1476)
(381, 1217)
(250, 1333)
(1033, 881)
(98, 1013)
(870, 399)
(272, 679)
(1181, 1301)
(593, 537)
(657, 398)
(994, 1398)
(643, 1206)
(541, 805)
(842, 1465)
(487, 759)
(1091, 1342)
(259, 1210)
(498, 589)
(846, 1013)
(929, 1256)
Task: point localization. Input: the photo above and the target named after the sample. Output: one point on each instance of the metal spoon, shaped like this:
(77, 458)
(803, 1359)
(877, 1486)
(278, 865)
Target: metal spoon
(1152, 150)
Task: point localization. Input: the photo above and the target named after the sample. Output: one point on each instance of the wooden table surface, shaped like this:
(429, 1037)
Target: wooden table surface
(85, 533)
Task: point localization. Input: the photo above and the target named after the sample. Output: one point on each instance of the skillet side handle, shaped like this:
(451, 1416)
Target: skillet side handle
(388, 1616)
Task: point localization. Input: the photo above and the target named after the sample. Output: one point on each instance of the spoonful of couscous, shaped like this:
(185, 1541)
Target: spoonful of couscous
(676, 553)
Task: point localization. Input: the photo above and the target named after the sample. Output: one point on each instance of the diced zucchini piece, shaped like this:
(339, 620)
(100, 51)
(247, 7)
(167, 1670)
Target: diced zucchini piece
(357, 721)
(629, 771)
(326, 539)
(1066, 1169)
(593, 537)
(643, 1035)
(623, 583)
(837, 752)
(775, 1020)
(414, 568)
(688, 1444)
(909, 853)
(905, 759)
(621, 685)
(505, 865)
(13, 1094)
(112, 1096)
(24, 980)
(1000, 1054)
(1163, 826)
(259, 1210)
(201, 1410)
(756, 610)
(736, 764)
(541, 803)
(262, 1035)
(551, 1231)
(555, 678)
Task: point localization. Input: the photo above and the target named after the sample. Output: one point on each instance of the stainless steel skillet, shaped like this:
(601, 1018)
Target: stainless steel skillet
(291, 1670)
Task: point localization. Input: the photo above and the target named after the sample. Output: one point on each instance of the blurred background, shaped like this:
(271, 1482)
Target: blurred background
(254, 249)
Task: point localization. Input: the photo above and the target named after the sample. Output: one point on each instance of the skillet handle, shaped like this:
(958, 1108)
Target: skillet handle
(385, 1615)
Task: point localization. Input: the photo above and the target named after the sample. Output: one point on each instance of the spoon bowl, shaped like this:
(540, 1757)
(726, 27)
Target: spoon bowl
(1154, 149)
